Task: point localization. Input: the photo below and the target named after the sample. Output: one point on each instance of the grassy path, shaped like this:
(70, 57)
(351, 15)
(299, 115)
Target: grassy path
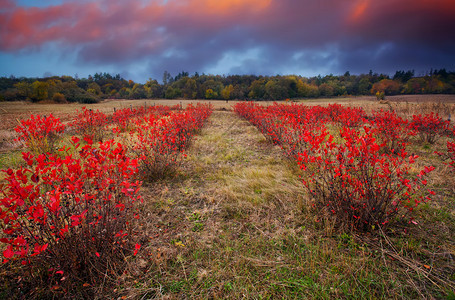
(232, 224)
(234, 195)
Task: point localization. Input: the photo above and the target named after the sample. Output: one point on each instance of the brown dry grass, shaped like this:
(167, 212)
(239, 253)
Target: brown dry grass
(405, 105)
(10, 112)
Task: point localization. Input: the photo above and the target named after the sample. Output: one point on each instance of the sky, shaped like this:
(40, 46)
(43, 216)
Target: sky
(140, 39)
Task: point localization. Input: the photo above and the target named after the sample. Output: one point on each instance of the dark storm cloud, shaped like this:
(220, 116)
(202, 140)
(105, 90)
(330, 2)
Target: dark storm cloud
(258, 36)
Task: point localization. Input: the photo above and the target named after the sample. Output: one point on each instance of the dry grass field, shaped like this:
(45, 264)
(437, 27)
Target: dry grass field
(12, 112)
(234, 221)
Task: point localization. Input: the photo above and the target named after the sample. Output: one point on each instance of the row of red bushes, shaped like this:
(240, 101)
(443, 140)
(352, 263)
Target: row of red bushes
(72, 211)
(355, 166)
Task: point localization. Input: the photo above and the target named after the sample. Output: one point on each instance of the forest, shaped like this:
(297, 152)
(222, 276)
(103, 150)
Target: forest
(64, 89)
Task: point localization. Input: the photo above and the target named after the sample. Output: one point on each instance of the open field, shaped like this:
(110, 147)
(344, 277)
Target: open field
(235, 222)
(11, 112)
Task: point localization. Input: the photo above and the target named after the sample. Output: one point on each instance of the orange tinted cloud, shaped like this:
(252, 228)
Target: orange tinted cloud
(86, 21)
(28, 27)
(226, 6)
(359, 10)
(215, 8)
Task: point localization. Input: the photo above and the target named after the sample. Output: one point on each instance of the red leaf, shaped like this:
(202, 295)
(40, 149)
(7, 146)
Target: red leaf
(8, 253)
(35, 178)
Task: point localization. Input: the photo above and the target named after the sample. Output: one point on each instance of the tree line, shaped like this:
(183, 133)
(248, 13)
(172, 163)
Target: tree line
(62, 89)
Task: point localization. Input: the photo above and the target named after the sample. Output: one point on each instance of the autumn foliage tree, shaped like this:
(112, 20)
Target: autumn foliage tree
(242, 87)
(386, 86)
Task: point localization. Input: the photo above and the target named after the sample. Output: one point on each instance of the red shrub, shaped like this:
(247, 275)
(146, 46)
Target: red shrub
(40, 134)
(73, 211)
(91, 124)
(429, 127)
(357, 184)
(390, 130)
(159, 143)
(360, 178)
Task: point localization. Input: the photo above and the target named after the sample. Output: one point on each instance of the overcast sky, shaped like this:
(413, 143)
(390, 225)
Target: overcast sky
(141, 39)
